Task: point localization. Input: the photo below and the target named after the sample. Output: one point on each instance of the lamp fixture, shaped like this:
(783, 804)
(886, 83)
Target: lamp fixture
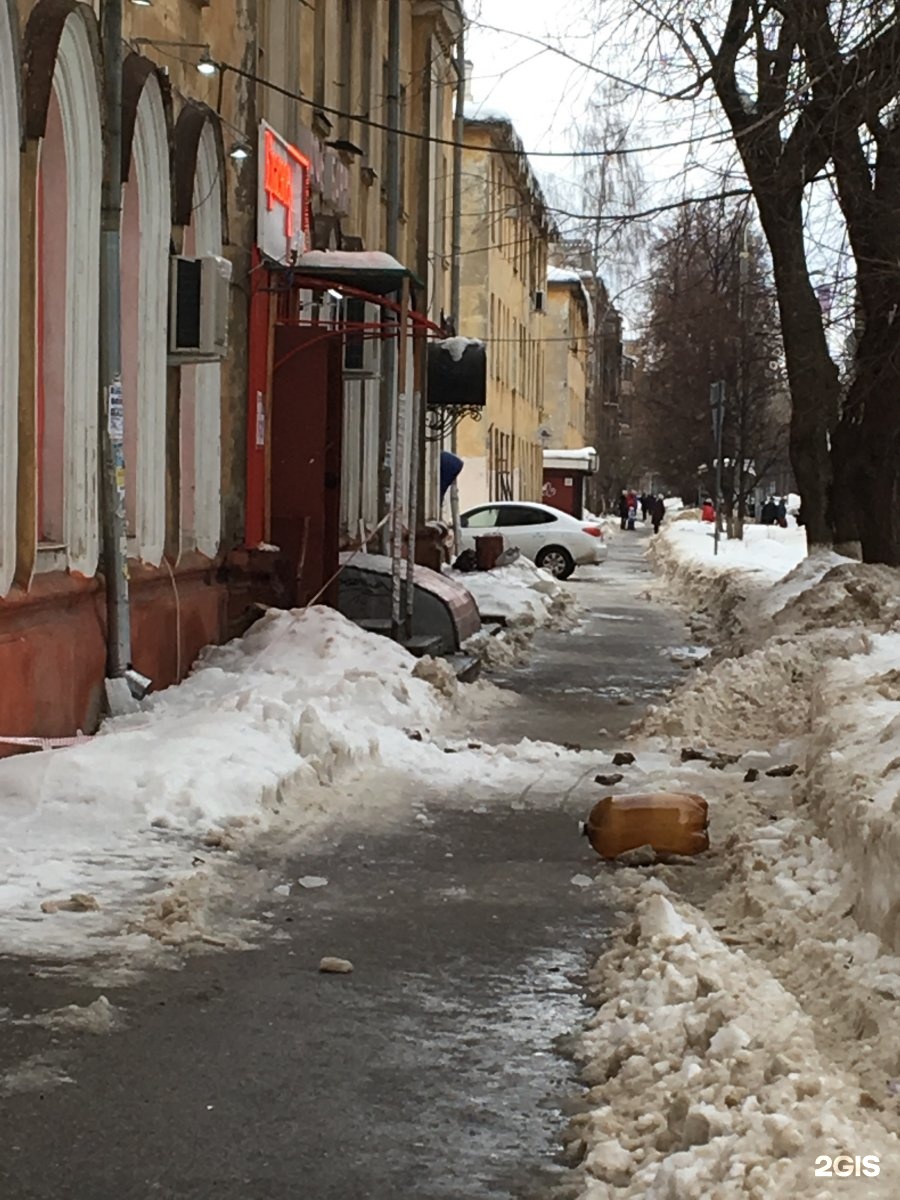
(206, 65)
(240, 150)
(142, 3)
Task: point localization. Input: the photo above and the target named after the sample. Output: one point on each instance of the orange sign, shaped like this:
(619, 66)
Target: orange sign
(283, 217)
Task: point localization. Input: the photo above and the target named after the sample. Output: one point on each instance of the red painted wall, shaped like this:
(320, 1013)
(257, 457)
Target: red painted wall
(53, 650)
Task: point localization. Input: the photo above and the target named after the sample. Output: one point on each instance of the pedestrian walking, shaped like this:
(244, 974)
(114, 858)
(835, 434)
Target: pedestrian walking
(623, 509)
(657, 508)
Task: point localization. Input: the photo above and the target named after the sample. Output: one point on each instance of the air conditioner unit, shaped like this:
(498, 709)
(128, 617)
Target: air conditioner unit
(362, 347)
(199, 301)
(538, 298)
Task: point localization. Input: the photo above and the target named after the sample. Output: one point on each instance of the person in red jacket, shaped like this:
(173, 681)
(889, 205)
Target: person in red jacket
(708, 512)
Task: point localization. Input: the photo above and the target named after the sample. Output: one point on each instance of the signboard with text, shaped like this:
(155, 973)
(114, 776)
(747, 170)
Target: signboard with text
(282, 221)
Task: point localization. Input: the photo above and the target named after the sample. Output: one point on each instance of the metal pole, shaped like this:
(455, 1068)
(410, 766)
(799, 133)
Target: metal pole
(112, 454)
(459, 132)
(719, 389)
(399, 448)
(392, 166)
(410, 605)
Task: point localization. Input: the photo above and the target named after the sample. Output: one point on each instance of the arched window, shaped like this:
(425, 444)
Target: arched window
(146, 230)
(201, 386)
(9, 298)
(68, 211)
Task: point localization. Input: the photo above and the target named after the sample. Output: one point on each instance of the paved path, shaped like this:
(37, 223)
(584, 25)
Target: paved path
(431, 1073)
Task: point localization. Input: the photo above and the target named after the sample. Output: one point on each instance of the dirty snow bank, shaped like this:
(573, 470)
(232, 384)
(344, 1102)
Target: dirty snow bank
(713, 588)
(247, 741)
(520, 592)
(524, 598)
(705, 1078)
(802, 876)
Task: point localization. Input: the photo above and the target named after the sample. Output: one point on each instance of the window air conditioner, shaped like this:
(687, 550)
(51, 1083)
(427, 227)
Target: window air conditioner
(198, 308)
(362, 347)
(539, 301)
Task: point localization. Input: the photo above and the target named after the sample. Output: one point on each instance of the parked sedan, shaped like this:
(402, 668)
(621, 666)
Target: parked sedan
(550, 538)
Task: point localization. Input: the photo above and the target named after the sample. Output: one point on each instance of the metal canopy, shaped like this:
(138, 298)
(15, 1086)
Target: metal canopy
(366, 270)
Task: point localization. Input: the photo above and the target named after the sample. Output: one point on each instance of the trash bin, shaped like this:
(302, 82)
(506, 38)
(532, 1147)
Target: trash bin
(488, 549)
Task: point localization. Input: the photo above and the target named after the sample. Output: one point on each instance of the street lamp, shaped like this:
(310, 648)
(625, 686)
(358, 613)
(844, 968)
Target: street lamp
(206, 64)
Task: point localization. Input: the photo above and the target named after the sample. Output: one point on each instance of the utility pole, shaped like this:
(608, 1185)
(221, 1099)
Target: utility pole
(717, 404)
(743, 398)
(112, 453)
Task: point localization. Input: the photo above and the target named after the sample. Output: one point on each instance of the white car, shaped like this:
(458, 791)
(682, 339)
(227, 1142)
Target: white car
(550, 538)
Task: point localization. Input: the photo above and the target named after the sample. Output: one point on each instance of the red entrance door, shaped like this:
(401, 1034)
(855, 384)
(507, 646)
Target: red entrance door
(305, 465)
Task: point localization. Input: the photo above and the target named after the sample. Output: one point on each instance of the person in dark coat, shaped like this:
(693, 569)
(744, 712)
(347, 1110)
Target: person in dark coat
(657, 509)
(623, 509)
(768, 514)
(646, 502)
(781, 514)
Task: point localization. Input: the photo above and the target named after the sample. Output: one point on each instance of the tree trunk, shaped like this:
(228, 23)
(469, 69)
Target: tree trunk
(813, 377)
(870, 440)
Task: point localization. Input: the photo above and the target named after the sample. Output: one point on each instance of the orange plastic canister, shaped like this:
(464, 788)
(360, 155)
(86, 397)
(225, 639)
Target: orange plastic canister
(670, 822)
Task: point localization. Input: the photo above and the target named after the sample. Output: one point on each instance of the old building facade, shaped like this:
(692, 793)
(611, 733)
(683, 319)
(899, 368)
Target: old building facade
(506, 232)
(270, 108)
(568, 328)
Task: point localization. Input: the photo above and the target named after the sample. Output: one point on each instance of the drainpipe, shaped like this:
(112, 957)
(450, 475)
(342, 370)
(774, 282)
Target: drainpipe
(392, 243)
(459, 130)
(122, 684)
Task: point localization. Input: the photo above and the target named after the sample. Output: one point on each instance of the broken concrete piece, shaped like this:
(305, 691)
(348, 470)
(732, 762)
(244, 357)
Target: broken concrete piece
(335, 966)
(608, 780)
(79, 902)
(624, 758)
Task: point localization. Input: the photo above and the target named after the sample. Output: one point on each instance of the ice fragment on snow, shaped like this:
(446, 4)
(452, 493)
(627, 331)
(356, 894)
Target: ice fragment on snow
(729, 1040)
(313, 881)
(283, 889)
(659, 919)
(581, 881)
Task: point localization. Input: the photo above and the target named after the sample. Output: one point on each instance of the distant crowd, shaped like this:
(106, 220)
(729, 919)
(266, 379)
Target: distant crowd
(652, 508)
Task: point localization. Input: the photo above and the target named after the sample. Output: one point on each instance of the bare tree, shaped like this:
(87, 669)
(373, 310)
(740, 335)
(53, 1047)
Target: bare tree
(712, 316)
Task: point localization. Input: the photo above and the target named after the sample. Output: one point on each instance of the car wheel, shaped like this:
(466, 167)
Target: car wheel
(557, 560)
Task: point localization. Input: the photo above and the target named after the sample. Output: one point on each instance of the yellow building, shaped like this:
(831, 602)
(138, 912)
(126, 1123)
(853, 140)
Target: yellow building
(568, 326)
(506, 232)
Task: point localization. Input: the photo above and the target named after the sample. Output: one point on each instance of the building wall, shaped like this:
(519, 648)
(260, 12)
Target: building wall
(505, 239)
(186, 427)
(565, 382)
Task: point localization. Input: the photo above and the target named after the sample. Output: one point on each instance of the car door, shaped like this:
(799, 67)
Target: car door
(526, 527)
(476, 521)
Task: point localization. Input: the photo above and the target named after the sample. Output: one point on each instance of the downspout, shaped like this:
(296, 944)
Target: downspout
(459, 130)
(123, 684)
(388, 413)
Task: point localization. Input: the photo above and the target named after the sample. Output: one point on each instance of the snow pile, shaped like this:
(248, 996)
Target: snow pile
(705, 1078)
(249, 738)
(519, 593)
(853, 776)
